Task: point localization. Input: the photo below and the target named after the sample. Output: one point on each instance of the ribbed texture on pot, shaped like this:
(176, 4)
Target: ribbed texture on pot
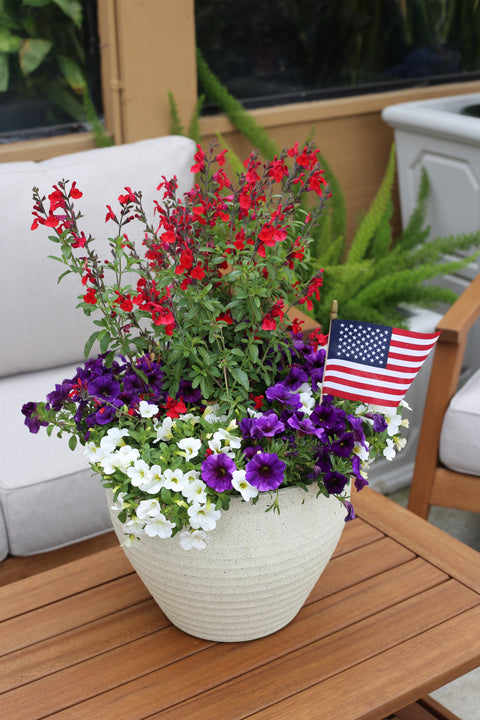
(255, 574)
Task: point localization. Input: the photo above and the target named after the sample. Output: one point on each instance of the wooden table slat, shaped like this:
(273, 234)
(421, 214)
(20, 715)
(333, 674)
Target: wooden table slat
(385, 680)
(52, 585)
(330, 614)
(70, 612)
(441, 549)
(210, 680)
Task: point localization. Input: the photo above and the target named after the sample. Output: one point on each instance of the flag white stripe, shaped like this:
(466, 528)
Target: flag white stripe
(355, 380)
(368, 393)
(341, 364)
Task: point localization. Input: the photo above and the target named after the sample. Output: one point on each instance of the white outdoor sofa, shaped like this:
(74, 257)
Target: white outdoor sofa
(48, 497)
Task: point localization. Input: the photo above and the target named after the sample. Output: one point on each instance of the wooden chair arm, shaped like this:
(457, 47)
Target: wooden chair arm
(458, 320)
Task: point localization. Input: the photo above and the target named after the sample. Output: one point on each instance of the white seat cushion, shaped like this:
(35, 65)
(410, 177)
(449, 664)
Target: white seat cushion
(460, 437)
(48, 494)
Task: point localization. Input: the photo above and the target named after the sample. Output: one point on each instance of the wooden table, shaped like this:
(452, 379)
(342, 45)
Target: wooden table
(395, 615)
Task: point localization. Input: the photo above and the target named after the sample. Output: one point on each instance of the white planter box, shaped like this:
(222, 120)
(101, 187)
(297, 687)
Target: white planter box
(434, 134)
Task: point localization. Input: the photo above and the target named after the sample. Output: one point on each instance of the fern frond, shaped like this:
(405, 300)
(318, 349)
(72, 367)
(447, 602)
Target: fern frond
(415, 233)
(360, 243)
(194, 127)
(382, 239)
(176, 126)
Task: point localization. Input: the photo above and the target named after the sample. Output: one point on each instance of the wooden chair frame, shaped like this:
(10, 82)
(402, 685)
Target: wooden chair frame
(432, 483)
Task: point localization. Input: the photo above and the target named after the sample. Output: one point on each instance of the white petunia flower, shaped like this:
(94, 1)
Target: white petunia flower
(308, 402)
(146, 409)
(389, 451)
(229, 440)
(121, 459)
(94, 453)
(155, 481)
(195, 491)
(139, 473)
(240, 483)
(134, 527)
(174, 479)
(196, 539)
(203, 518)
(148, 509)
(113, 439)
(362, 451)
(159, 526)
(191, 446)
(164, 430)
(400, 443)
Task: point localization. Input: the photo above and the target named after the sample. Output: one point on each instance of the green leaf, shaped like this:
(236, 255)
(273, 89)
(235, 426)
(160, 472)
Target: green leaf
(72, 73)
(32, 54)
(240, 376)
(89, 343)
(9, 43)
(72, 443)
(72, 8)
(4, 73)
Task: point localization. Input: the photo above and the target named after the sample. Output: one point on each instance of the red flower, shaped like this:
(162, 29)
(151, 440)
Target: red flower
(110, 214)
(175, 408)
(75, 193)
(90, 296)
(199, 158)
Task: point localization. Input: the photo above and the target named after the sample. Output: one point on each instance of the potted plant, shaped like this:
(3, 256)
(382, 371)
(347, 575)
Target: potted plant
(204, 408)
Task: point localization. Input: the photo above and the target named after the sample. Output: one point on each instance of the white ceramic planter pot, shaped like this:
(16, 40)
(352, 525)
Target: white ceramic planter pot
(255, 574)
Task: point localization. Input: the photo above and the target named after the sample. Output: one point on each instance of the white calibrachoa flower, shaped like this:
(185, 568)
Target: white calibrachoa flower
(148, 509)
(308, 402)
(203, 518)
(134, 527)
(239, 482)
(159, 526)
(191, 446)
(155, 480)
(139, 473)
(389, 451)
(362, 451)
(164, 430)
(230, 442)
(195, 491)
(121, 459)
(174, 479)
(113, 439)
(146, 409)
(95, 453)
(119, 502)
(194, 540)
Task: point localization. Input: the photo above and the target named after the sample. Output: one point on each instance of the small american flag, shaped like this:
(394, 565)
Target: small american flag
(373, 363)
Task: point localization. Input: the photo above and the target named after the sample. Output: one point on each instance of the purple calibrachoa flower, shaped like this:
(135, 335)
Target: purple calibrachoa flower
(335, 482)
(217, 472)
(265, 471)
(282, 395)
(266, 425)
(306, 426)
(104, 387)
(31, 421)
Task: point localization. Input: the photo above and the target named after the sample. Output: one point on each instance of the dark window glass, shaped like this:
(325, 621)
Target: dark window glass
(273, 51)
(49, 59)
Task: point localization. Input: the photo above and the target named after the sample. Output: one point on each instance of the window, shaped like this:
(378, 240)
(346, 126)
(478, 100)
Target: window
(275, 51)
(49, 60)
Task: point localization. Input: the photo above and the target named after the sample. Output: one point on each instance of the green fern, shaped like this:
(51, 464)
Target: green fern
(176, 125)
(360, 243)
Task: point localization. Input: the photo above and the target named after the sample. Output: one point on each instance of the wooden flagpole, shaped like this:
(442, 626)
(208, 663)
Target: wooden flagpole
(333, 316)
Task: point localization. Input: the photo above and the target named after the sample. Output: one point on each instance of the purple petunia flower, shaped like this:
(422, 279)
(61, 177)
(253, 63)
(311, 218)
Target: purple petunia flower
(31, 421)
(245, 426)
(104, 387)
(350, 510)
(306, 426)
(265, 471)
(266, 425)
(357, 427)
(280, 393)
(335, 482)
(379, 422)
(295, 378)
(217, 472)
(343, 447)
